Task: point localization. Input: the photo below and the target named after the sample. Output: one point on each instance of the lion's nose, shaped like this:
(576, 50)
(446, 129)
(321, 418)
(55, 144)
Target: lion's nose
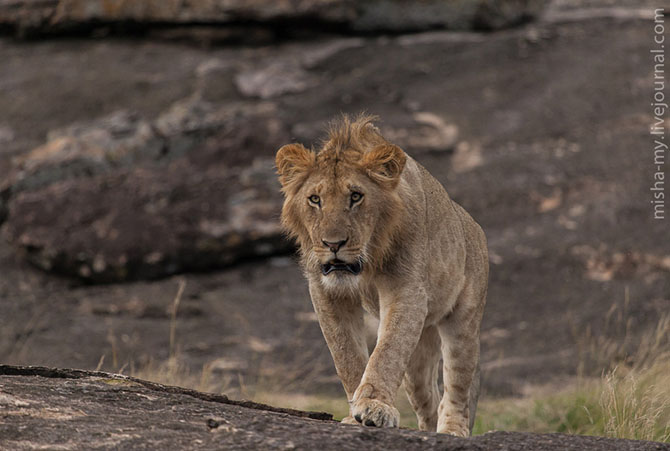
(334, 246)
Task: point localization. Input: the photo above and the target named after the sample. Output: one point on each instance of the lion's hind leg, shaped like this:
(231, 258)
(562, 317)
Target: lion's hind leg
(474, 395)
(421, 379)
(460, 352)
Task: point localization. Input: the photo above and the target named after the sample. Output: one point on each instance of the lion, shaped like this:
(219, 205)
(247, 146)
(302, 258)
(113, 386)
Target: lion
(377, 233)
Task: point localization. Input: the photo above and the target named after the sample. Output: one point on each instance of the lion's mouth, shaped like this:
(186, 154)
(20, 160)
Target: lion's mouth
(338, 265)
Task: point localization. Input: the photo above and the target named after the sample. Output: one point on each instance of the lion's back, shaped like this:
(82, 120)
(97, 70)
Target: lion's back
(454, 243)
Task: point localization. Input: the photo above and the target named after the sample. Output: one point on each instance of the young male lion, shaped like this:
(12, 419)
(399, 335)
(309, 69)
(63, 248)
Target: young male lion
(378, 233)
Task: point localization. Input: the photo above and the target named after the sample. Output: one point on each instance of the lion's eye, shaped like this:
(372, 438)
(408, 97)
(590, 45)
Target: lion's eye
(356, 197)
(315, 199)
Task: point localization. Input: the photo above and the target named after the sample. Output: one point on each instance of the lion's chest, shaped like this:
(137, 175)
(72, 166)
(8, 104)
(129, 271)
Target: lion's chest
(370, 302)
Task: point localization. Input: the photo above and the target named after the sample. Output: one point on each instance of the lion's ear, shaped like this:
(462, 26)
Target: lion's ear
(384, 164)
(293, 164)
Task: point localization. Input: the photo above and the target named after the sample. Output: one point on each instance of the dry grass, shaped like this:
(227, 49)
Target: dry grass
(624, 403)
(616, 343)
(174, 372)
(632, 404)
(637, 404)
(630, 400)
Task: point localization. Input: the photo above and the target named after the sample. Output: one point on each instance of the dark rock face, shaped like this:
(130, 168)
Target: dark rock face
(26, 16)
(45, 407)
(123, 140)
(105, 229)
(92, 200)
(87, 149)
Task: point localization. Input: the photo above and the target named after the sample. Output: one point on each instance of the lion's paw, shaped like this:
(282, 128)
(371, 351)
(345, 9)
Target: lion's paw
(349, 420)
(455, 427)
(373, 412)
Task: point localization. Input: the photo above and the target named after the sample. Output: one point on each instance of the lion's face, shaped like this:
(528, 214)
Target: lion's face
(340, 206)
(338, 214)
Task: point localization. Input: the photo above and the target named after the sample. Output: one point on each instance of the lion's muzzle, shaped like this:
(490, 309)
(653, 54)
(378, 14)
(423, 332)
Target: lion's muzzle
(338, 265)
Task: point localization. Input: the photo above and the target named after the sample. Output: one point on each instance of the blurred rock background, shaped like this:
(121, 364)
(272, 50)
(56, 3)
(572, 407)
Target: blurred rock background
(136, 156)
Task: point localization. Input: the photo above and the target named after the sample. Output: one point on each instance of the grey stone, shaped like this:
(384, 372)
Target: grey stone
(104, 228)
(86, 149)
(44, 407)
(6, 134)
(428, 132)
(274, 79)
(372, 15)
(216, 80)
(90, 202)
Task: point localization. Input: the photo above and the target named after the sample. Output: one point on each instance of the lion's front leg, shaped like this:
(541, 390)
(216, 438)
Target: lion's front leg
(402, 317)
(342, 324)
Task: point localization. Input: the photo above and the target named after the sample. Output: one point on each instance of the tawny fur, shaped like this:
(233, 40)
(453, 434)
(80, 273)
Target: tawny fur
(424, 275)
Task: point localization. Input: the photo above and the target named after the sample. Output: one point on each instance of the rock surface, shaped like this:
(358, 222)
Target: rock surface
(45, 16)
(92, 200)
(542, 160)
(73, 409)
(105, 229)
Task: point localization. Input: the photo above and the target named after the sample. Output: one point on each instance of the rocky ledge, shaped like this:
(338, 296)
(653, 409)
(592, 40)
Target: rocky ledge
(39, 17)
(48, 408)
(121, 181)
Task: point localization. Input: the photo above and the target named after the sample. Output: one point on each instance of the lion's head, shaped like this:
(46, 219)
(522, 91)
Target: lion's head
(342, 203)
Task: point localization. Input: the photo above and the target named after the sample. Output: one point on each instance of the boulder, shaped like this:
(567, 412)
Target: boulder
(123, 139)
(150, 222)
(87, 149)
(91, 201)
